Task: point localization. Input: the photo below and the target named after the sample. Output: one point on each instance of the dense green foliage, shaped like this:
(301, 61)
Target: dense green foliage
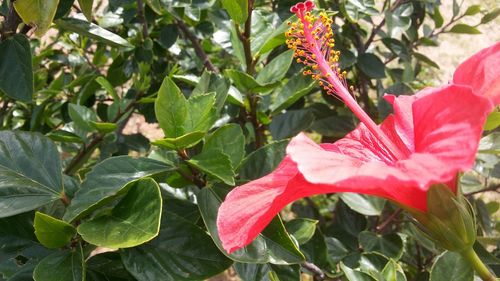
(81, 200)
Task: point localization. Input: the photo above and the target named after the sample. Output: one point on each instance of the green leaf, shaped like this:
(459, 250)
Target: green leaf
(493, 121)
(230, 140)
(267, 272)
(67, 265)
(15, 65)
(246, 83)
(451, 266)
(185, 141)
(425, 59)
(106, 85)
(52, 232)
(490, 16)
(297, 87)
(132, 222)
(86, 7)
(302, 229)
(390, 245)
(464, 28)
(437, 17)
(39, 13)
(291, 123)
(64, 136)
(363, 204)
(280, 245)
(171, 109)
(490, 143)
(30, 172)
(181, 252)
(393, 271)
(354, 275)
(472, 10)
(357, 9)
(237, 9)
(216, 164)
(213, 83)
(371, 65)
(109, 179)
(104, 127)
(91, 30)
(276, 69)
(82, 116)
(179, 117)
(262, 161)
(168, 35)
(201, 113)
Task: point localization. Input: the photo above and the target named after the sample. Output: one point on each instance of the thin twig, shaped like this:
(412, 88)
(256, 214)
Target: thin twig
(318, 274)
(491, 188)
(142, 17)
(197, 47)
(390, 219)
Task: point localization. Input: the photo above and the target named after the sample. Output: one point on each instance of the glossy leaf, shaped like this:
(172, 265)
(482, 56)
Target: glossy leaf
(276, 69)
(296, 87)
(291, 123)
(230, 140)
(30, 172)
(91, 30)
(184, 141)
(390, 245)
(302, 229)
(262, 161)
(109, 179)
(451, 266)
(39, 13)
(82, 116)
(52, 232)
(181, 252)
(133, 221)
(216, 164)
(371, 65)
(364, 204)
(69, 265)
(15, 65)
(355, 275)
(393, 272)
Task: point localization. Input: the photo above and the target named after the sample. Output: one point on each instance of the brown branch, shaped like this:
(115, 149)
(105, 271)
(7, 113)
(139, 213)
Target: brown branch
(388, 221)
(491, 188)
(11, 22)
(197, 47)
(142, 17)
(87, 149)
(318, 274)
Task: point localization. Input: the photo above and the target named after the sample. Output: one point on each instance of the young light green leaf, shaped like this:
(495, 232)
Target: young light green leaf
(15, 65)
(363, 204)
(30, 172)
(52, 232)
(237, 9)
(276, 69)
(171, 109)
(302, 229)
(202, 113)
(132, 222)
(184, 141)
(86, 7)
(464, 28)
(91, 30)
(40, 13)
(108, 87)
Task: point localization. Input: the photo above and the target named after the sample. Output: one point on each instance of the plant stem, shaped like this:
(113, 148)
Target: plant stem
(12, 21)
(480, 268)
(197, 47)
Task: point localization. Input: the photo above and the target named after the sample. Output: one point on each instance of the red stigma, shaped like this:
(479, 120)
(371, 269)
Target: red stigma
(302, 7)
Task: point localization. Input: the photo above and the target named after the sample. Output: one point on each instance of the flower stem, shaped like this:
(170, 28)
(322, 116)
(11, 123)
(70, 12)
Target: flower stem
(481, 269)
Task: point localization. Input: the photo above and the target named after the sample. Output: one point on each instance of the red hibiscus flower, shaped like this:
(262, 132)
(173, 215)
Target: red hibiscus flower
(431, 137)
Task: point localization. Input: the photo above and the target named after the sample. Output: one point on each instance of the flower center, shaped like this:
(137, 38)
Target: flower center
(312, 40)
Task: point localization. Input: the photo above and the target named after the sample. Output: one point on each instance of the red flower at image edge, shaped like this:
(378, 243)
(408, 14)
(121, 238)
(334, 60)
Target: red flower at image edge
(436, 131)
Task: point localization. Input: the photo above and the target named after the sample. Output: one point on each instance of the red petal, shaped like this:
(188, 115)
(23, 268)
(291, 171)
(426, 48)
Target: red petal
(448, 125)
(481, 72)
